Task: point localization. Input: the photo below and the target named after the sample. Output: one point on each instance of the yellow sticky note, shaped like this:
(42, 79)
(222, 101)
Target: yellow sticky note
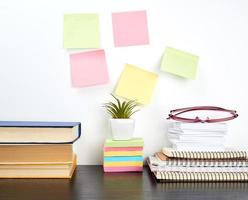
(81, 31)
(123, 153)
(136, 84)
(180, 63)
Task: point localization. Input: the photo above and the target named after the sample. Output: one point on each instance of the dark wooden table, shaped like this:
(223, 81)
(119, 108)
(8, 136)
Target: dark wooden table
(89, 182)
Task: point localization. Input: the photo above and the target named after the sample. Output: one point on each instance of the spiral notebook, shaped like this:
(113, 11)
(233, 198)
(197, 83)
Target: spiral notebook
(201, 176)
(163, 160)
(155, 167)
(228, 154)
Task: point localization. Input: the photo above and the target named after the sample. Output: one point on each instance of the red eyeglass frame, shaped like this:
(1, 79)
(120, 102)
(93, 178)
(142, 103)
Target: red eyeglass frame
(174, 114)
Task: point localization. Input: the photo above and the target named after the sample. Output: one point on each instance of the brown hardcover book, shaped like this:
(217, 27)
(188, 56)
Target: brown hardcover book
(35, 153)
(45, 170)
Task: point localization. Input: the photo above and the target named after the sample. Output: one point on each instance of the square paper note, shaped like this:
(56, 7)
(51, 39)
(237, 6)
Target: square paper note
(136, 84)
(81, 31)
(179, 63)
(89, 68)
(130, 28)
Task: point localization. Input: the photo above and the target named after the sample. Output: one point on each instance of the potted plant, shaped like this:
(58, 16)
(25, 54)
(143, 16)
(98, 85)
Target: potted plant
(122, 125)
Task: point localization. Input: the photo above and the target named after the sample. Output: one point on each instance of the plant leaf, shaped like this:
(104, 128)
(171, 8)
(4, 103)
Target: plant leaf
(111, 113)
(118, 101)
(120, 109)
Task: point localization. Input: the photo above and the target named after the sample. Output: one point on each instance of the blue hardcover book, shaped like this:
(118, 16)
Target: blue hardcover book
(27, 132)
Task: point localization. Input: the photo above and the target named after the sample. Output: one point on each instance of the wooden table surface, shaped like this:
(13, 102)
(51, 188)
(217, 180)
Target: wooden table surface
(89, 182)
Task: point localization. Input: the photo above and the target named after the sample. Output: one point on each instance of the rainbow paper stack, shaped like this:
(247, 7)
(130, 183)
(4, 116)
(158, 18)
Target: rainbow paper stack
(123, 155)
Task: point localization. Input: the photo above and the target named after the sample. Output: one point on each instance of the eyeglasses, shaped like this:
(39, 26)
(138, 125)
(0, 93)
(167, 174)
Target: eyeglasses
(174, 114)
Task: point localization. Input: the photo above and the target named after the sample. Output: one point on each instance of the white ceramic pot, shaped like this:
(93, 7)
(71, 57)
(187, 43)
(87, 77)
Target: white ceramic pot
(122, 129)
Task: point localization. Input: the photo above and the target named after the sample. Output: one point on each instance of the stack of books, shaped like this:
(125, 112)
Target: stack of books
(171, 165)
(197, 136)
(38, 149)
(123, 155)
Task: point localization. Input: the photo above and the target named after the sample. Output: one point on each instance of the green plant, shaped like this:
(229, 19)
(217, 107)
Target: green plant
(121, 110)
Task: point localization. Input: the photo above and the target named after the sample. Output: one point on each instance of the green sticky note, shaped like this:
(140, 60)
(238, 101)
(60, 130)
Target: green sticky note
(81, 31)
(179, 63)
(134, 142)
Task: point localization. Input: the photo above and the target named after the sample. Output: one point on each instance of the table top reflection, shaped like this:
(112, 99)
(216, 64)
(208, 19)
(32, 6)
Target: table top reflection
(90, 182)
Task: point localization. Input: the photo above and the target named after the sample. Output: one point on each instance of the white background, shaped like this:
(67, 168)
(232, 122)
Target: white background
(35, 73)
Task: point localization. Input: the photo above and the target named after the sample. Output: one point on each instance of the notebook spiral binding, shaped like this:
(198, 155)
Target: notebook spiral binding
(210, 155)
(196, 186)
(206, 163)
(202, 176)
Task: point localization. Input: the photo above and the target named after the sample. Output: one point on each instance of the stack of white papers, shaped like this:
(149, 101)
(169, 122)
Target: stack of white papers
(197, 136)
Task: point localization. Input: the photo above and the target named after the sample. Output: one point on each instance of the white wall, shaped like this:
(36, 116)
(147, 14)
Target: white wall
(35, 71)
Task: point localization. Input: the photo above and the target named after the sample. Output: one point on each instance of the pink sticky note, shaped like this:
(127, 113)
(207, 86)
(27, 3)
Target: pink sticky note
(107, 149)
(89, 68)
(123, 169)
(130, 28)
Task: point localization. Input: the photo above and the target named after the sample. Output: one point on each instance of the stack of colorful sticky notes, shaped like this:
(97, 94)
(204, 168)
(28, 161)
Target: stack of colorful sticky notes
(123, 155)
